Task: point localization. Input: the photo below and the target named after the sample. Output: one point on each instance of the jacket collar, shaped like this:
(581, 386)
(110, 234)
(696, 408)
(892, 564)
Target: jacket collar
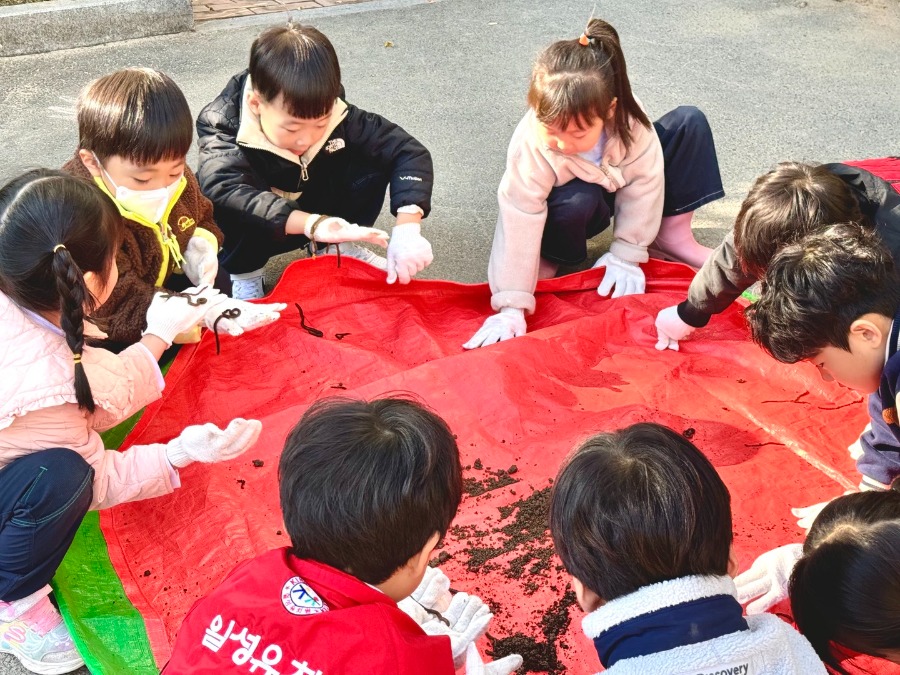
(339, 587)
(250, 133)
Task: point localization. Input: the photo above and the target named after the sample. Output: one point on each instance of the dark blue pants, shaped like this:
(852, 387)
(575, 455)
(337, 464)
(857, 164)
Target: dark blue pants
(43, 499)
(579, 210)
(358, 200)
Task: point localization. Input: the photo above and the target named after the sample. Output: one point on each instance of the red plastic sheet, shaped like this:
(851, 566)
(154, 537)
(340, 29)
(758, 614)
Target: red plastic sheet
(777, 434)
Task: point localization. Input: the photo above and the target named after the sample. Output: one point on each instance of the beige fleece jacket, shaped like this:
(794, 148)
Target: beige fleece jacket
(635, 174)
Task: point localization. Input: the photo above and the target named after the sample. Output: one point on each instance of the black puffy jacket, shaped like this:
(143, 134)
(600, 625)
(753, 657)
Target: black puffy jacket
(239, 179)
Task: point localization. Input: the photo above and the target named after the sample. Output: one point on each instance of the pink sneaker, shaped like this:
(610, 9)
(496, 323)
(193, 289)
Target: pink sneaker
(32, 630)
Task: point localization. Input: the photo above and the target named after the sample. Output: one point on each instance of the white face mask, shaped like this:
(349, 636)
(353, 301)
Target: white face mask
(148, 204)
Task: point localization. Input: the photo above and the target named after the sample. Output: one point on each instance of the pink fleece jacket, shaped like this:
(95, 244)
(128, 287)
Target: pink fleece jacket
(38, 409)
(635, 174)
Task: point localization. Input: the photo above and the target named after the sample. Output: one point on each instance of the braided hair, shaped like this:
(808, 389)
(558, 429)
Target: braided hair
(53, 229)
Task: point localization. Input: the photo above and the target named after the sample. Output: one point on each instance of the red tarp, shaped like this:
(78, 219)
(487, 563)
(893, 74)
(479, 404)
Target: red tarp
(777, 434)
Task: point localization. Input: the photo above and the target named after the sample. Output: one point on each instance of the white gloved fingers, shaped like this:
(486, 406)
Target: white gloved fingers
(374, 235)
(763, 603)
(607, 283)
(484, 336)
(623, 287)
(665, 342)
(404, 272)
(431, 591)
(241, 435)
(505, 666)
(748, 589)
(414, 611)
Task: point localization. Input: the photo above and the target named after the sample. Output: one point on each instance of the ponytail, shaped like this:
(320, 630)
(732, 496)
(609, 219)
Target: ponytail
(73, 295)
(54, 228)
(581, 80)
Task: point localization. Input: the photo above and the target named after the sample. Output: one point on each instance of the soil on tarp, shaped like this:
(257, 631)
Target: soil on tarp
(539, 656)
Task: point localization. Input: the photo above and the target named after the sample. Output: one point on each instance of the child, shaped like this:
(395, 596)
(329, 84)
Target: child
(844, 580)
(783, 205)
(58, 241)
(642, 521)
(584, 152)
(280, 146)
(832, 299)
(135, 129)
(367, 491)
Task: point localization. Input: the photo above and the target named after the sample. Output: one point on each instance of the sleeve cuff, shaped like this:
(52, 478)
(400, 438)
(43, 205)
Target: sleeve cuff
(693, 316)
(634, 253)
(517, 299)
(208, 236)
(412, 208)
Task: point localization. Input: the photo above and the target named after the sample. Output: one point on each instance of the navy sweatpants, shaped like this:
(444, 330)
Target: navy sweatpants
(580, 210)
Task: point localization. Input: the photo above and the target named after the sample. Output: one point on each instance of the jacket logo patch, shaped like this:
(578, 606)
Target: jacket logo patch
(335, 144)
(416, 178)
(731, 669)
(185, 223)
(299, 599)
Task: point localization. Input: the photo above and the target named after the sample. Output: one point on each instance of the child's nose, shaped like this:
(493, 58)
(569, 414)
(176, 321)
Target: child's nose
(826, 375)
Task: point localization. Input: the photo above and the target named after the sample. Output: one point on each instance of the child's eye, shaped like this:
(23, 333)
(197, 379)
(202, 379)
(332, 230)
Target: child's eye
(141, 181)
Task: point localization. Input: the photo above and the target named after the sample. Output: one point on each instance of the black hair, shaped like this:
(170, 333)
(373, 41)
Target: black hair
(816, 288)
(846, 586)
(574, 82)
(365, 485)
(298, 63)
(54, 228)
(136, 113)
(784, 205)
(639, 506)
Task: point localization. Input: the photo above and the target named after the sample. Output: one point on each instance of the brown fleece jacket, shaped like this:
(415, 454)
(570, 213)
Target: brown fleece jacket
(143, 264)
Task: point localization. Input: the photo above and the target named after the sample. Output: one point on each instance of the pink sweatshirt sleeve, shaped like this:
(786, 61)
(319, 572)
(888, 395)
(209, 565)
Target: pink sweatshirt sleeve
(143, 385)
(522, 198)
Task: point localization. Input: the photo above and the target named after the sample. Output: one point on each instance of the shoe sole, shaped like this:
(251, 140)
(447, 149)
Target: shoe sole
(44, 668)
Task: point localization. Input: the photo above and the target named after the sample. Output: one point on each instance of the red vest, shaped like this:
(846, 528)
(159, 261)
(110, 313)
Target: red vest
(280, 615)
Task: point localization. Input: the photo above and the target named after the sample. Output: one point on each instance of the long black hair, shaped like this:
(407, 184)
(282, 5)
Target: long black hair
(54, 228)
(846, 587)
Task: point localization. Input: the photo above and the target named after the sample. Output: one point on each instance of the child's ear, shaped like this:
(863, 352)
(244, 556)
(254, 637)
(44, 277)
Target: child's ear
(587, 599)
(867, 331)
(419, 561)
(90, 162)
(732, 562)
(611, 114)
(253, 101)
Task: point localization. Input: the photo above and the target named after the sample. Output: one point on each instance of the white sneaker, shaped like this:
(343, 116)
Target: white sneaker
(352, 250)
(34, 633)
(248, 286)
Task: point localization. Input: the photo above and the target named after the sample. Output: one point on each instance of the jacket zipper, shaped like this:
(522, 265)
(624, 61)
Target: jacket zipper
(304, 175)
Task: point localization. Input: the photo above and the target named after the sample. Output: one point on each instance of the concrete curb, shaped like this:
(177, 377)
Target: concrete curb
(63, 24)
(307, 15)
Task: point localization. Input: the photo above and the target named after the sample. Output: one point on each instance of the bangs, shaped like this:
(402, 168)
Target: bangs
(563, 98)
(299, 64)
(138, 114)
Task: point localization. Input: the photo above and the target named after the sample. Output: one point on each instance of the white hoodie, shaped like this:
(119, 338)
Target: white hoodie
(769, 647)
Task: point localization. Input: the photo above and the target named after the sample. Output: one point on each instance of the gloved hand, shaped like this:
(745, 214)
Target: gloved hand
(408, 253)
(207, 443)
(434, 591)
(806, 515)
(476, 666)
(201, 261)
(169, 316)
(670, 329)
(251, 315)
(767, 579)
(468, 617)
(334, 230)
(508, 323)
(627, 277)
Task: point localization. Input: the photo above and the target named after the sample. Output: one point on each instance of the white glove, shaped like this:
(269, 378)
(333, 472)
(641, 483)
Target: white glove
(334, 230)
(408, 253)
(806, 515)
(855, 448)
(201, 261)
(670, 329)
(207, 443)
(627, 277)
(508, 323)
(476, 666)
(172, 313)
(468, 617)
(434, 591)
(251, 316)
(767, 579)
